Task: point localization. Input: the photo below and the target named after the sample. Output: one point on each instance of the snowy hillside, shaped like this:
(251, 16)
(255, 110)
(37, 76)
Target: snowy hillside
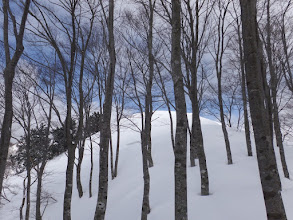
(235, 189)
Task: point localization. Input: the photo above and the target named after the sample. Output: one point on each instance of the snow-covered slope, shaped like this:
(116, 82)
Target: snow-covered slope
(235, 189)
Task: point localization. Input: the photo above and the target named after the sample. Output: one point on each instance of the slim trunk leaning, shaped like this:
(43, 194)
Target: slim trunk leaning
(223, 123)
(243, 93)
(117, 148)
(91, 169)
(265, 155)
(196, 130)
(180, 149)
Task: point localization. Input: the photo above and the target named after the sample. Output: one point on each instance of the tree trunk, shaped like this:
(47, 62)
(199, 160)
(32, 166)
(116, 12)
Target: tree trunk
(265, 153)
(277, 127)
(223, 123)
(28, 158)
(92, 167)
(28, 193)
(197, 135)
(146, 177)
(39, 191)
(69, 169)
(9, 72)
(78, 168)
(180, 148)
(111, 157)
(279, 138)
(23, 201)
(243, 93)
(106, 122)
(117, 148)
(68, 80)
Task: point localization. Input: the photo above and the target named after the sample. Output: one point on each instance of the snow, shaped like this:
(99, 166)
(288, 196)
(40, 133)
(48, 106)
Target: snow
(235, 189)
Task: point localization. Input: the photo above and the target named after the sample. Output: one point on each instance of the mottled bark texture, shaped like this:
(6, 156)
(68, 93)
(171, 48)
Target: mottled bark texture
(180, 148)
(146, 177)
(196, 131)
(9, 72)
(265, 154)
(106, 121)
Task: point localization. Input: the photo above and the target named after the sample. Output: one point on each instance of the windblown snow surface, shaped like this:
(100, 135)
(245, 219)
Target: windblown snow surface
(235, 189)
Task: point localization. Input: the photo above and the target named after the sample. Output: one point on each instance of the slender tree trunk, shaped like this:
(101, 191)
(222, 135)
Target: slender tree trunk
(224, 129)
(243, 93)
(219, 69)
(28, 159)
(39, 191)
(28, 197)
(106, 122)
(275, 110)
(69, 169)
(197, 135)
(7, 121)
(148, 107)
(78, 168)
(279, 138)
(23, 201)
(111, 157)
(68, 79)
(180, 148)
(146, 177)
(9, 72)
(91, 169)
(265, 153)
(117, 148)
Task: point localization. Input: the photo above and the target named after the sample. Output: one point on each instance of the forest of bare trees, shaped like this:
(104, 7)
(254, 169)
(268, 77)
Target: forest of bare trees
(73, 68)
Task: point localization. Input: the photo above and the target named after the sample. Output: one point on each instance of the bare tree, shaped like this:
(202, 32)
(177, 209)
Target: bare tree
(274, 83)
(106, 116)
(9, 73)
(195, 40)
(237, 23)
(265, 153)
(220, 47)
(85, 36)
(67, 57)
(181, 118)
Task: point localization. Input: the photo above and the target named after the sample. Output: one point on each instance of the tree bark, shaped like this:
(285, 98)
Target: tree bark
(78, 168)
(265, 153)
(146, 177)
(91, 169)
(39, 191)
(180, 148)
(118, 145)
(197, 135)
(28, 167)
